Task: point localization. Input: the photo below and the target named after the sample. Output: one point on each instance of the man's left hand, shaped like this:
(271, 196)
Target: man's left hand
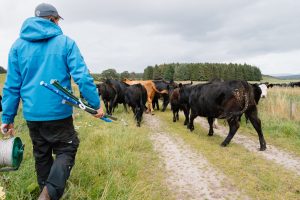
(8, 129)
(100, 113)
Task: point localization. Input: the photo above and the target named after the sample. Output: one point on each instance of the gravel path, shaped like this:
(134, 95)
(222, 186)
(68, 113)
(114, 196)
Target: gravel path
(189, 174)
(285, 159)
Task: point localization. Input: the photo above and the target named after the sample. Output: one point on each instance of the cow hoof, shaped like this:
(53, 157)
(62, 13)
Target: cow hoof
(210, 134)
(262, 148)
(191, 128)
(223, 144)
(185, 123)
(174, 120)
(152, 114)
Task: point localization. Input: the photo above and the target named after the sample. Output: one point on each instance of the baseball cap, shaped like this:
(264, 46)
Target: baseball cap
(45, 9)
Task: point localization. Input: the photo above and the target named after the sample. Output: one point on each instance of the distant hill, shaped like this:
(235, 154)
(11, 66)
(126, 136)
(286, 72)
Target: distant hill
(280, 78)
(289, 77)
(268, 78)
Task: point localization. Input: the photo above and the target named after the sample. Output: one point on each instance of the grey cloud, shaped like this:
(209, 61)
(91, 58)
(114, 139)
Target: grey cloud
(248, 27)
(136, 33)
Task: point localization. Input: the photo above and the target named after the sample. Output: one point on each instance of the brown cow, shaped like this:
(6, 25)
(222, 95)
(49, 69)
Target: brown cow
(151, 89)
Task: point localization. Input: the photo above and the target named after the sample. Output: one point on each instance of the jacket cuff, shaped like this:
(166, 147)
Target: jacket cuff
(7, 120)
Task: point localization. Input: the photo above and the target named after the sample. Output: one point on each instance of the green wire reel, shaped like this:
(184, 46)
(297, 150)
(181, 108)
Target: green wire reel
(11, 154)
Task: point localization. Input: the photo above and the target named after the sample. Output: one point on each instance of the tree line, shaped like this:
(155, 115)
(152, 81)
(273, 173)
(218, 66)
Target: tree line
(187, 71)
(202, 72)
(113, 74)
(2, 70)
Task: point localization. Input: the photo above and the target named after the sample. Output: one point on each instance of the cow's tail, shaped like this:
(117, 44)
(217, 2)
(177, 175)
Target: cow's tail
(160, 92)
(232, 115)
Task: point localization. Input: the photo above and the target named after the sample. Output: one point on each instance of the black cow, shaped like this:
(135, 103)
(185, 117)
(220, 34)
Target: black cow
(108, 95)
(179, 99)
(112, 93)
(175, 106)
(294, 84)
(136, 98)
(162, 85)
(119, 88)
(226, 100)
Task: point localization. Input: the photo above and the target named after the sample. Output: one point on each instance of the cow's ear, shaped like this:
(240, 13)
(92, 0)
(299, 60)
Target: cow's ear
(180, 85)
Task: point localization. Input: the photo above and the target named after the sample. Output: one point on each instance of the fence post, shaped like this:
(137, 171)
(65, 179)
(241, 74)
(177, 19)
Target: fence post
(292, 109)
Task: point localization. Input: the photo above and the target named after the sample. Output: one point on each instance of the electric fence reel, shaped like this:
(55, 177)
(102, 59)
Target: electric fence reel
(11, 153)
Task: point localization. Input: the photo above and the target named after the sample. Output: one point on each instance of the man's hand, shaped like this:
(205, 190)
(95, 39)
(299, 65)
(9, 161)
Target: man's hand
(100, 113)
(8, 129)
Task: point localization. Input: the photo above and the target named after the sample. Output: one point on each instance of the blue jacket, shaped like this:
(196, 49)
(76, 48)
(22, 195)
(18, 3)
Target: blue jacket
(40, 54)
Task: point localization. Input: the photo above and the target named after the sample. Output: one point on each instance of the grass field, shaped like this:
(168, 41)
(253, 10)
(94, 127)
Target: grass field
(114, 161)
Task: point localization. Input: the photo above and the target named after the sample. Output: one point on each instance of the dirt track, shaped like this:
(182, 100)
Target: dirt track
(189, 174)
(285, 159)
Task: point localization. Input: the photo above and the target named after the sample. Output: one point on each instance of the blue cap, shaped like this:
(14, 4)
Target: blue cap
(44, 10)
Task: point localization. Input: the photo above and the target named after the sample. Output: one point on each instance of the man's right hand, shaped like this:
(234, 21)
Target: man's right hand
(8, 129)
(100, 113)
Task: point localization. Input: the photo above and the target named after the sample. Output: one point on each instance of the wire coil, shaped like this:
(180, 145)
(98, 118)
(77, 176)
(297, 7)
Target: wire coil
(6, 150)
(11, 154)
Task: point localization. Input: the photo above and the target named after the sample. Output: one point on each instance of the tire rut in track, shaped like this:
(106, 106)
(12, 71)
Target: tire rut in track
(189, 174)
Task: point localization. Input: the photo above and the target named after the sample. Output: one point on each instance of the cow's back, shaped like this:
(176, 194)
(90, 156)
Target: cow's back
(213, 99)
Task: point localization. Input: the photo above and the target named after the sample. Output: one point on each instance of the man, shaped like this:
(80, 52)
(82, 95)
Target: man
(40, 54)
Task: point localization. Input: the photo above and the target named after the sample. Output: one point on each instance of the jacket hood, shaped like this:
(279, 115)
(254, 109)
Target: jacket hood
(36, 28)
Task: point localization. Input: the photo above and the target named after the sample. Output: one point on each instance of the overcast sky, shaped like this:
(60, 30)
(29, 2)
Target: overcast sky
(133, 34)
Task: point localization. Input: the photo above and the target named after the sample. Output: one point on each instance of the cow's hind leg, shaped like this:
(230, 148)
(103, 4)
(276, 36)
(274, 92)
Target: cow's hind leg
(174, 116)
(165, 103)
(233, 127)
(136, 116)
(110, 108)
(106, 107)
(255, 121)
(125, 107)
(211, 129)
(191, 122)
(186, 111)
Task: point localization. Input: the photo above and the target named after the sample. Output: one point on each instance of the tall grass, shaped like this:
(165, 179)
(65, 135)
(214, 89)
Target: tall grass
(278, 103)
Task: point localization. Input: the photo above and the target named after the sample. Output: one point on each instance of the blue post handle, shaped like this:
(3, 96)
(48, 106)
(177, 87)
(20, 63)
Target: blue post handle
(72, 102)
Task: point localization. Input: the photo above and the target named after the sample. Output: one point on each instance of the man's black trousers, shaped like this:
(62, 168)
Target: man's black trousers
(53, 137)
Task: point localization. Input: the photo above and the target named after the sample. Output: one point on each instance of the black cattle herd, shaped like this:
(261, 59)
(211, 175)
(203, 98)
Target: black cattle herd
(215, 99)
